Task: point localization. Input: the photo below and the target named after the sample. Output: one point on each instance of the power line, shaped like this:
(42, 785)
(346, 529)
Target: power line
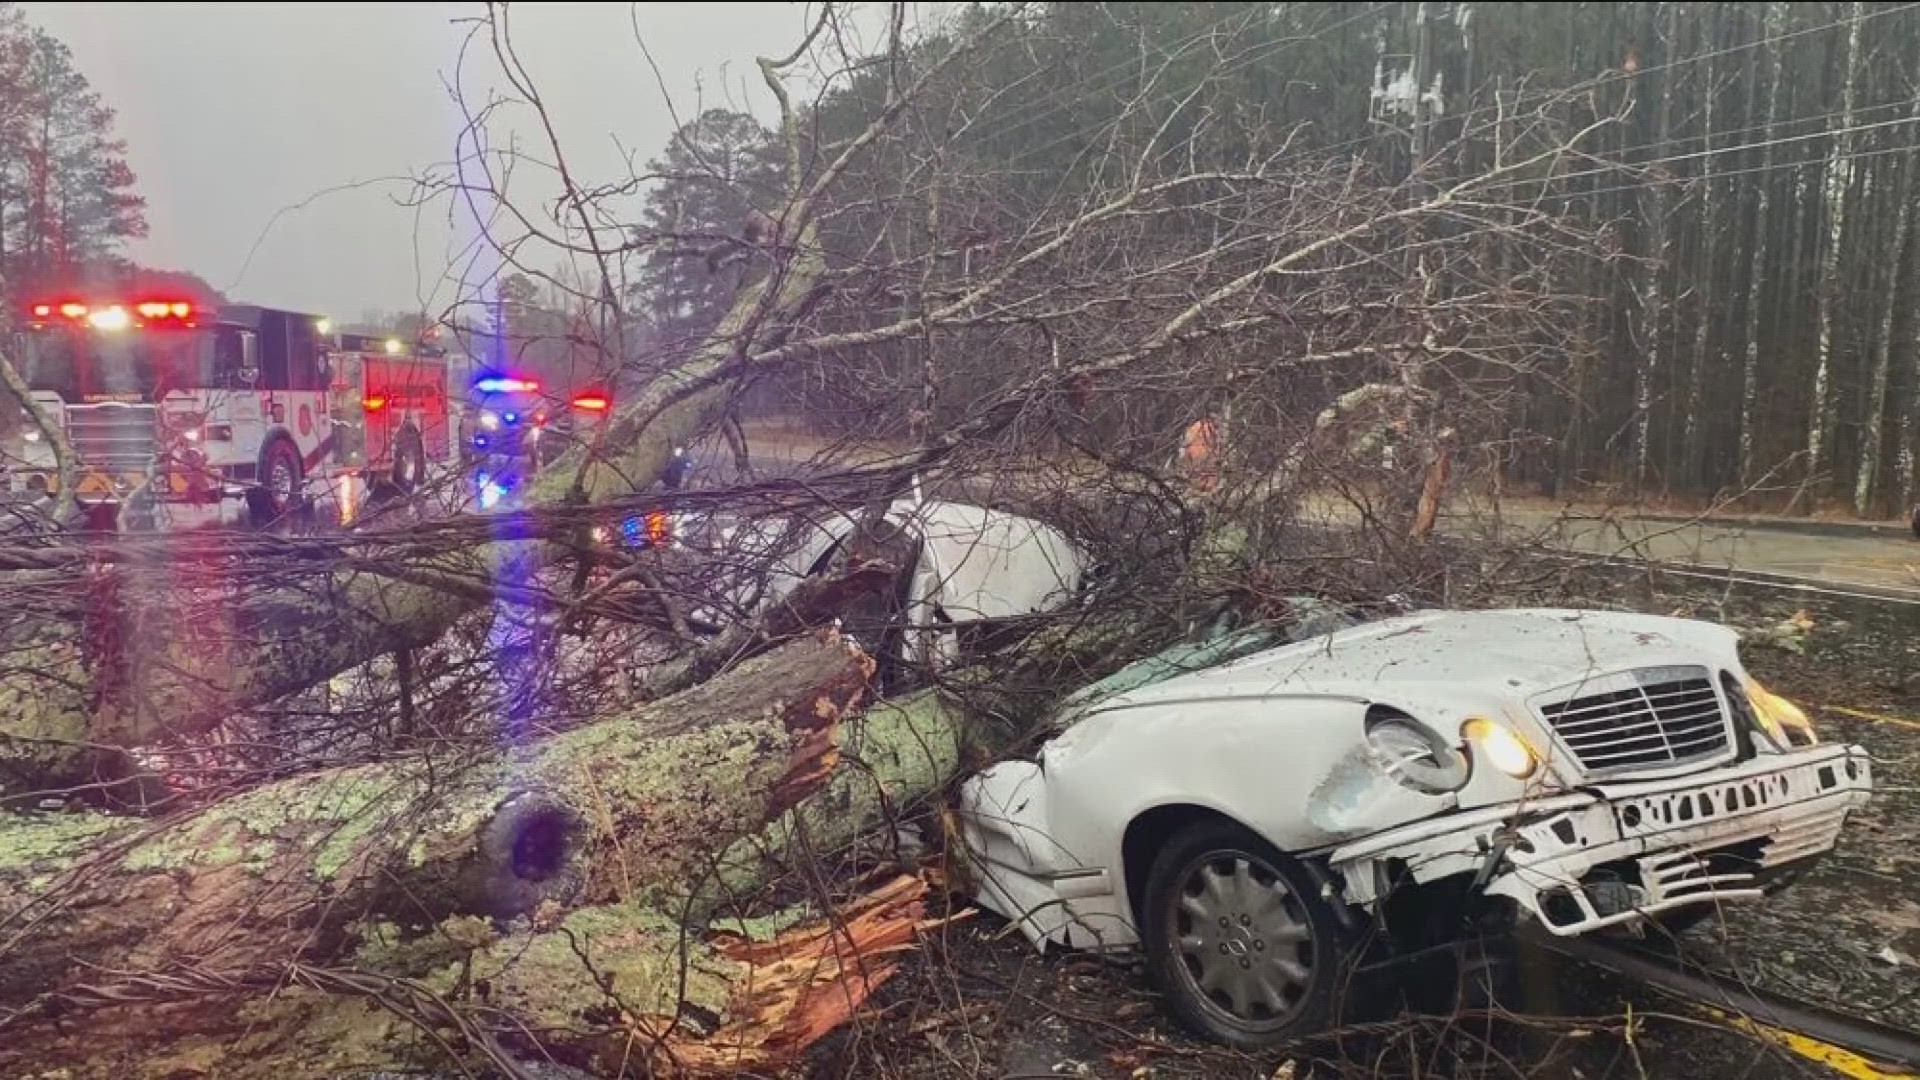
(1757, 42)
(1609, 78)
(1802, 163)
(1823, 133)
(1261, 52)
(1784, 122)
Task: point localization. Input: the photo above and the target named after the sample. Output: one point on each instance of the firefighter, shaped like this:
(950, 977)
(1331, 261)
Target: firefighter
(1200, 452)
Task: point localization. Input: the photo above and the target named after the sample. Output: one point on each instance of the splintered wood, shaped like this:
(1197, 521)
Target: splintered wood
(808, 981)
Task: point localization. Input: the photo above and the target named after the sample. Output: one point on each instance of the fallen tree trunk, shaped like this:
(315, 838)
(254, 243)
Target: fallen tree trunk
(630, 808)
(603, 986)
(620, 991)
(140, 664)
(632, 975)
(136, 666)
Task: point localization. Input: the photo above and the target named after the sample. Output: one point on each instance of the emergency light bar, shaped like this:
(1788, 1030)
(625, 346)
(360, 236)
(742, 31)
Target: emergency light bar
(592, 403)
(115, 316)
(502, 384)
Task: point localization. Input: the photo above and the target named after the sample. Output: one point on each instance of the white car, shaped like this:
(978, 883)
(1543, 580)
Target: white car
(1249, 822)
(976, 568)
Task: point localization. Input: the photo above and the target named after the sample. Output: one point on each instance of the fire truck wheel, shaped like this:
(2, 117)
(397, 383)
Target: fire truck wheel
(409, 460)
(280, 482)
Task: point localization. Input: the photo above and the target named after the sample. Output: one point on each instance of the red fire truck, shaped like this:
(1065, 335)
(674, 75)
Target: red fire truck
(391, 410)
(173, 411)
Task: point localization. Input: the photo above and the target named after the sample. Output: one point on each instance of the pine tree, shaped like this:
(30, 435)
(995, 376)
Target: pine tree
(718, 173)
(66, 191)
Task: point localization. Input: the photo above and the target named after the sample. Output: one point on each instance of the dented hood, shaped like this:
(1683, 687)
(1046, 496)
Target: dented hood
(1511, 653)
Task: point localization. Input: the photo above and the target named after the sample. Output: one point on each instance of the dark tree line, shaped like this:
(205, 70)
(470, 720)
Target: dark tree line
(1747, 282)
(67, 195)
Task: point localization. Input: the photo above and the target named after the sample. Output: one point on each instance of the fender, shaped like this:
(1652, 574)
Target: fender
(1113, 766)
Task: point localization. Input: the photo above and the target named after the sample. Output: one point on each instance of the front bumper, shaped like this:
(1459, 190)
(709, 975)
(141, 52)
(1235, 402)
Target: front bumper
(1618, 854)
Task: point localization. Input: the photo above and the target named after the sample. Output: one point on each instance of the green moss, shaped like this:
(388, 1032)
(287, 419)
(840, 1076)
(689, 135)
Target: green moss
(44, 722)
(895, 753)
(555, 978)
(28, 840)
(766, 927)
(392, 950)
(340, 813)
(299, 1032)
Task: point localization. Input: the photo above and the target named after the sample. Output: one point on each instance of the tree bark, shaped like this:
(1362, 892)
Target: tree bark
(1908, 425)
(1650, 291)
(1695, 431)
(1838, 178)
(1757, 269)
(617, 989)
(139, 666)
(1872, 431)
(630, 808)
(608, 983)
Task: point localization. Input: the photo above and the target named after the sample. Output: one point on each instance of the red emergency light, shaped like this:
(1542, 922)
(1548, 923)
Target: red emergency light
(115, 316)
(592, 403)
(374, 402)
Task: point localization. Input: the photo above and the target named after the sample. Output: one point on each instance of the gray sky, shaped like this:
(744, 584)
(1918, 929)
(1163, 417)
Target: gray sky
(234, 111)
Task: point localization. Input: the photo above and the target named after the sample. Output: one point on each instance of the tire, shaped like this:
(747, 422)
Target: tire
(281, 482)
(1205, 944)
(409, 460)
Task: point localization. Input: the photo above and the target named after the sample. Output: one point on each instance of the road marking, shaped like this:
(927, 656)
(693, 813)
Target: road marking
(1878, 718)
(1845, 1062)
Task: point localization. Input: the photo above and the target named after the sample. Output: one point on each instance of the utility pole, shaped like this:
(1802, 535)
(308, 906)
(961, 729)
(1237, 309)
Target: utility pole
(1422, 71)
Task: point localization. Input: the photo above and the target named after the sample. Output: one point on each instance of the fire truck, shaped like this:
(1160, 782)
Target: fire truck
(392, 416)
(174, 411)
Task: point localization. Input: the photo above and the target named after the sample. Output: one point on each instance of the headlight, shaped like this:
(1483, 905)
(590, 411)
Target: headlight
(185, 425)
(1414, 755)
(1502, 748)
(1782, 721)
(490, 420)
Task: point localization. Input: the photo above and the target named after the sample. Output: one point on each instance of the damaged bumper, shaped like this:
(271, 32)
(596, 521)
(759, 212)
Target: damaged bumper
(1621, 853)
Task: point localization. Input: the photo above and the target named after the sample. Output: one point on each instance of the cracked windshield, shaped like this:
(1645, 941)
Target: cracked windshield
(959, 541)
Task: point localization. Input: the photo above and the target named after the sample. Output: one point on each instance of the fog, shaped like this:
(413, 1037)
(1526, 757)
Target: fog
(274, 142)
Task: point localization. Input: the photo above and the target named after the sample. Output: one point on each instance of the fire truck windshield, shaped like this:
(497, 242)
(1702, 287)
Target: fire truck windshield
(84, 364)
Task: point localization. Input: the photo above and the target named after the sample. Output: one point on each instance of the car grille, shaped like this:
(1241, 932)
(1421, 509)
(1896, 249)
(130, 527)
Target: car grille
(112, 437)
(1643, 719)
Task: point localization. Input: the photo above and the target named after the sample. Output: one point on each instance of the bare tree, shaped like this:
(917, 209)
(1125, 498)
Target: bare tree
(1839, 176)
(514, 842)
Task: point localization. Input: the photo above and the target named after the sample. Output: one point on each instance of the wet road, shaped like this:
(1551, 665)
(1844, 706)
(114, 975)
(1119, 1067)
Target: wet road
(1886, 561)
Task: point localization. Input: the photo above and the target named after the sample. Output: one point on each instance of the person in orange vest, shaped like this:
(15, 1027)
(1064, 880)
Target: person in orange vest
(1200, 452)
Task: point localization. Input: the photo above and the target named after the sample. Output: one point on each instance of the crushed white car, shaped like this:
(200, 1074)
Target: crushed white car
(974, 568)
(1248, 822)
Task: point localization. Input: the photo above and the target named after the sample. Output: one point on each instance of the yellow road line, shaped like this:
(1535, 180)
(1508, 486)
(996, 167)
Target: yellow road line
(1845, 1062)
(1878, 718)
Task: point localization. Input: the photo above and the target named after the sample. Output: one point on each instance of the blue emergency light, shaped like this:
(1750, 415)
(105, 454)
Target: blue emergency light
(492, 490)
(505, 384)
